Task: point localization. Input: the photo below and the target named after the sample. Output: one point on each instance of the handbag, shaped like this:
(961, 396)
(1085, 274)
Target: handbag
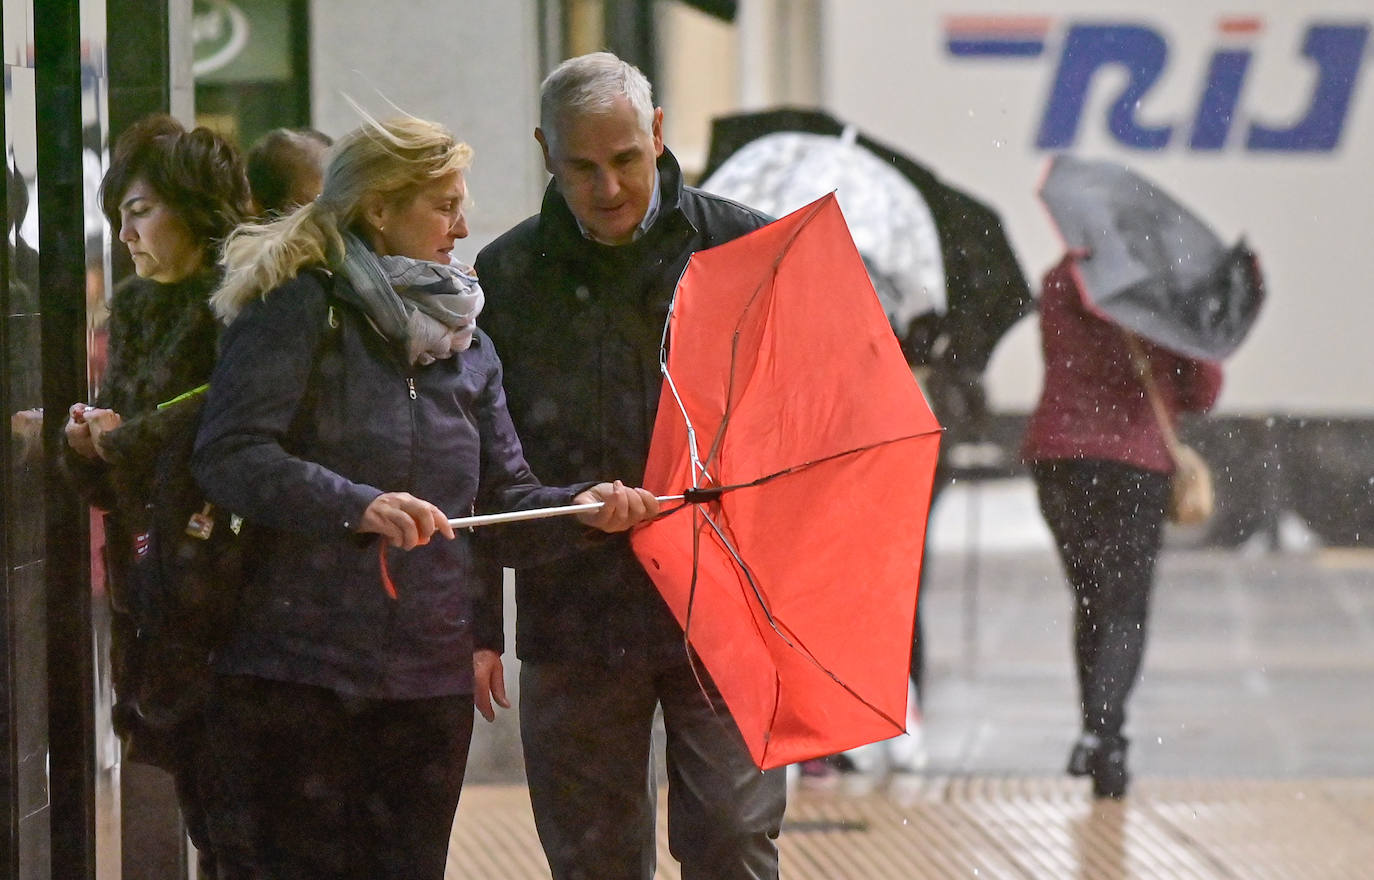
(1192, 497)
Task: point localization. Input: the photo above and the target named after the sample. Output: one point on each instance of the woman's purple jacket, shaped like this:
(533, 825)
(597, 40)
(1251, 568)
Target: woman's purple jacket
(311, 415)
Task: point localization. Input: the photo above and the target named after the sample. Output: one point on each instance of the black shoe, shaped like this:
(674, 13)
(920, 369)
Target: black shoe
(1081, 757)
(1107, 766)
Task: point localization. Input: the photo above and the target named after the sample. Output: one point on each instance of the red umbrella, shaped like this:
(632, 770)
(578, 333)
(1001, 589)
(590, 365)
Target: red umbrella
(786, 391)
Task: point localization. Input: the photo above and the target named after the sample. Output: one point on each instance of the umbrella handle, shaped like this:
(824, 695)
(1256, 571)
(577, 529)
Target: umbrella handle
(491, 519)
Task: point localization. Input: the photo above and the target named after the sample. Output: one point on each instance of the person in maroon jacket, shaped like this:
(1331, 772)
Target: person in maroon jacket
(1102, 468)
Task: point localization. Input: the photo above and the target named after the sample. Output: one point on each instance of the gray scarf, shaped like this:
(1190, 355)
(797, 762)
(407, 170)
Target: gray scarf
(430, 307)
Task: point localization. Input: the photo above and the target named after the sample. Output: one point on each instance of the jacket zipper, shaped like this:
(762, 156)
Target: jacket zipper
(414, 432)
(389, 628)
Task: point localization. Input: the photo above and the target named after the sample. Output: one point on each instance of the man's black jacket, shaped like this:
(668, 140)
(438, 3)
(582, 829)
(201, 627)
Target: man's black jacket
(578, 326)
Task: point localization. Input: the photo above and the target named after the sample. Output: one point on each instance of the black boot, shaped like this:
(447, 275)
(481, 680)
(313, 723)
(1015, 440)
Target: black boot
(1081, 757)
(1107, 766)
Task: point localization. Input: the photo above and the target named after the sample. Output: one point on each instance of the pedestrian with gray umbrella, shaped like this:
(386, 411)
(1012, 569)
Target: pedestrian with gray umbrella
(1102, 466)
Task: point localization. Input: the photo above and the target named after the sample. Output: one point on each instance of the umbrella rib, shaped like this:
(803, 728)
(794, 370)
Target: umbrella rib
(790, 640)
(708, 494)
(691, 602)
(735, 338)
(759, 481)
(693, 450)
(692, 453)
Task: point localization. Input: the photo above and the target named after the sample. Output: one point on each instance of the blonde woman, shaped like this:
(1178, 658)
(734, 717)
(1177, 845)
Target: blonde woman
(355, 397)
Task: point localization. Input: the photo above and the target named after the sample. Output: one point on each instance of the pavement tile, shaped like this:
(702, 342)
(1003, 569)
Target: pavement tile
(1252, 738)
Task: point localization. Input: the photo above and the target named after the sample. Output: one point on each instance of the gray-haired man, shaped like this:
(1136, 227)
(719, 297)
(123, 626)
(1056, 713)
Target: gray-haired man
(577, 299)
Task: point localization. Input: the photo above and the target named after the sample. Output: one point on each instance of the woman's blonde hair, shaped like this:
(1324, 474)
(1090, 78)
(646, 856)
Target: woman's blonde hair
(392, 159)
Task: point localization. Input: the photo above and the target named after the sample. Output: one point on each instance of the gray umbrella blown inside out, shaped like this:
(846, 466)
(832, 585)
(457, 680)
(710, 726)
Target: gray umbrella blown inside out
(1150, 265)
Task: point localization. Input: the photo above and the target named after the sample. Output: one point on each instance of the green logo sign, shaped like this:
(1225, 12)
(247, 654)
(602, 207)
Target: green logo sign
(219, 34)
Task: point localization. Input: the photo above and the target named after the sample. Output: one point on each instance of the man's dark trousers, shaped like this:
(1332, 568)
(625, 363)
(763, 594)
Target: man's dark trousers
(586, 730)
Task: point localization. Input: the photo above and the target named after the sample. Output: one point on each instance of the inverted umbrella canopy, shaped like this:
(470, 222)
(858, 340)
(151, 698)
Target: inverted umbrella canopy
(891, 224)
(985, 290)
(796, 585)
(1150, 265)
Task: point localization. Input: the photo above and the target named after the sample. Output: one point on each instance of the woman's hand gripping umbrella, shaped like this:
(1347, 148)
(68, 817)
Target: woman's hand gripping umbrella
(403, 521)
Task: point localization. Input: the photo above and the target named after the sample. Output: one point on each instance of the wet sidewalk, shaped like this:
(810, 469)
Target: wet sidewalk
(1252, 734)
(1010, 828)
(1256, 666)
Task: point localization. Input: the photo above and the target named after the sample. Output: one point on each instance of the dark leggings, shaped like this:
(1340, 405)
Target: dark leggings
(314, 785)
(1106, 518)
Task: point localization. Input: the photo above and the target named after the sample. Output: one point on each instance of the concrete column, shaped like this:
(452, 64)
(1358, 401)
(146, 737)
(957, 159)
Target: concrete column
(780, 53)
(181, 83)
(474, 66)
(757, 52)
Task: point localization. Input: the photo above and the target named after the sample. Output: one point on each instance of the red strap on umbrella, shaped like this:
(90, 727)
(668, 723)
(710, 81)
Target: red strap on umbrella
(387, 583)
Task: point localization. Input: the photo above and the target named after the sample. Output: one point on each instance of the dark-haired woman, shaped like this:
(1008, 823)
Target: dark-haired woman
(171, 195)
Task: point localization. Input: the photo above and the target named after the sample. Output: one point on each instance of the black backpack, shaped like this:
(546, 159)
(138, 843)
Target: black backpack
(185, 580)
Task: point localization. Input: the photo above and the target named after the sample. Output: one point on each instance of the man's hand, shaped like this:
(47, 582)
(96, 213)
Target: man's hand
(488, 682)
(403, 520)
(621, 507)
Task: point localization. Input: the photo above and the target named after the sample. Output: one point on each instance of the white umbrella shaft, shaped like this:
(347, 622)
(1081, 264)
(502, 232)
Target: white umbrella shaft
(491, 519)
